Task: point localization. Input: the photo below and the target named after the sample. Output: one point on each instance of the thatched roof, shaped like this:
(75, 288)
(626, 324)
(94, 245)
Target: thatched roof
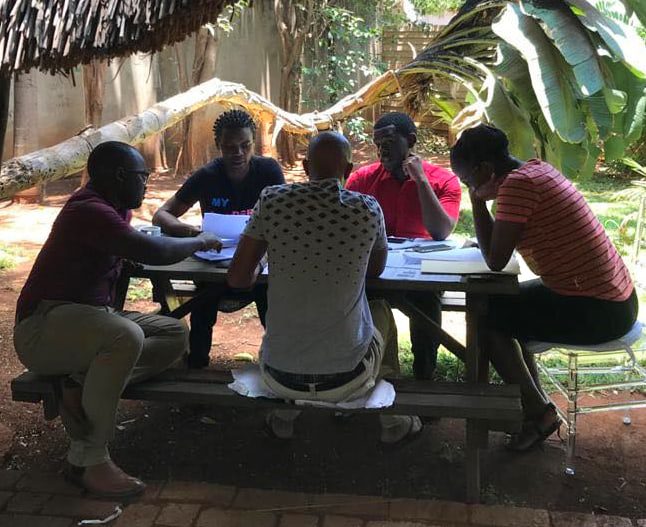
(56, 35)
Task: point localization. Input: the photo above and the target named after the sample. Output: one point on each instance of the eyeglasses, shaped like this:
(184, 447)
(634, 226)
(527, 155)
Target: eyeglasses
(143, 174)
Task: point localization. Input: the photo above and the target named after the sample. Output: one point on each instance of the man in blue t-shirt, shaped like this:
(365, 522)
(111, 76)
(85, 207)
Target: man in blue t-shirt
(230, 184)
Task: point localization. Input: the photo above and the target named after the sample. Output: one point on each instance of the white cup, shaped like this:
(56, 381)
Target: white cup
(150, 230)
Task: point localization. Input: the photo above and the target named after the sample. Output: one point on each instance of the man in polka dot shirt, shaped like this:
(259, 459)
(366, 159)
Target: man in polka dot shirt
(323, 339)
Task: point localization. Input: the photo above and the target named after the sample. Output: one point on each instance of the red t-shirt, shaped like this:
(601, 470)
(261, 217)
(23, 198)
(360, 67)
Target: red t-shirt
(73, 265)
(562, 241)
(399, 200)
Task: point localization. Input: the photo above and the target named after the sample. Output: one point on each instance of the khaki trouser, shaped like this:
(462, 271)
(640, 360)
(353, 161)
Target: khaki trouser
(381, 359)
(103, 349)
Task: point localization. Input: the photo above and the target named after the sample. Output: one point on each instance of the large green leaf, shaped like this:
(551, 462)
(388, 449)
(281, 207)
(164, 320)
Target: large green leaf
(562, 26)
(600, 114)
(614, 148)
(571, 159)
(622, 40)
(504, 113)
(511, 66)
(638, 7)
(549, 72)
(631, 124)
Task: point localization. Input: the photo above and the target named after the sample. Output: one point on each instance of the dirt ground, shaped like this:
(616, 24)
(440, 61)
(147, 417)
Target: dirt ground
(160, 441)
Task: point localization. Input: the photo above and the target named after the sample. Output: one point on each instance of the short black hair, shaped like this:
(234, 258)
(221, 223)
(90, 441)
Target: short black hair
(478, 144)
(233, 119)
(106, 157)
(329, 138)
(401, 121)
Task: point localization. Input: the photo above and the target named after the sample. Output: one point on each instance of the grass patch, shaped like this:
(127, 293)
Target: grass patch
(140, 289)
(9, 256)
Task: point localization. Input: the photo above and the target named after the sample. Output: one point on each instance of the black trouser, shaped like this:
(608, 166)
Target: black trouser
(204, 316)
(424, 343)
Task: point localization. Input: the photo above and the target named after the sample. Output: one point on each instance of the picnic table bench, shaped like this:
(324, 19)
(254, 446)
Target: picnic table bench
(484, 406)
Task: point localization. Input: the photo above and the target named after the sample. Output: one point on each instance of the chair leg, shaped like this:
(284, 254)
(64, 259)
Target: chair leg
(627, 420)
(572, 396)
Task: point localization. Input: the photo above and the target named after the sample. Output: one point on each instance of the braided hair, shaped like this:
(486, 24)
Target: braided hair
(233, 119)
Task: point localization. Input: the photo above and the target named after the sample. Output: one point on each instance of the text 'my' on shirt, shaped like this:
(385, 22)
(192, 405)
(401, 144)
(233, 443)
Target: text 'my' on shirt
(216, 193)
(399, 200)
(562, 242)
(319, 238)
(74, 264)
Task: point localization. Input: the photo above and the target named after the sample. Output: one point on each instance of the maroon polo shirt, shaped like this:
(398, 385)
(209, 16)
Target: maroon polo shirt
(74, 265)
(399, 200)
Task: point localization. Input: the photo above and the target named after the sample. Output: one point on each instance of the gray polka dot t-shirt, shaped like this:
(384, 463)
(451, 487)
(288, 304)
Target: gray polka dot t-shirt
(319, 238)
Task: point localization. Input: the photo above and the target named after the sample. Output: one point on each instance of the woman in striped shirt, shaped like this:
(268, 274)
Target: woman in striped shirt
(584, 293)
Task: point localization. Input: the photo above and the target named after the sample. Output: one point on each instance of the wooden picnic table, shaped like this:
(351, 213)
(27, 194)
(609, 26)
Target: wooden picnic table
(393, 287)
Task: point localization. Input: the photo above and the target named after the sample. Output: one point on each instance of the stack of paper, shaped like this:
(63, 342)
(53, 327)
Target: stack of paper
(227, 227)
(458, 261)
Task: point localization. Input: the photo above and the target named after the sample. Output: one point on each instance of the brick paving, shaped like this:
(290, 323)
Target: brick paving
(45, 500)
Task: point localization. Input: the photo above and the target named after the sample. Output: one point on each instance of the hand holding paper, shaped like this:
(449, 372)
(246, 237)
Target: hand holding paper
(227, 227)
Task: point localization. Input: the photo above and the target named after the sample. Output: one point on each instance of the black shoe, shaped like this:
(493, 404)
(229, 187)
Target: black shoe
(196, 363)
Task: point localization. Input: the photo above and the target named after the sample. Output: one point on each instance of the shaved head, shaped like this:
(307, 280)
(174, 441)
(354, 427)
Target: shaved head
(329, 155)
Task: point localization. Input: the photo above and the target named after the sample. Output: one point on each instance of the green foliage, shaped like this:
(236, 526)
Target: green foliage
(357, 128)
(436, 7)
(7, 260)
(10, 255)
(564, 80)
(339, 44)
(140, 289)
(225, 19)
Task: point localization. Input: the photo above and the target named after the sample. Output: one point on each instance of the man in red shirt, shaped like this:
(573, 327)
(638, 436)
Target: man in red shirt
(419, 200)
(66, 325)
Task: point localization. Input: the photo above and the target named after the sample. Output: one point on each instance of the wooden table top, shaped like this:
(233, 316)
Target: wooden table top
(392, 279)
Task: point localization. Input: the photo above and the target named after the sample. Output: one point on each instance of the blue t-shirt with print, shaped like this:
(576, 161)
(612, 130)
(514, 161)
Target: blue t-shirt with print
(216, 193)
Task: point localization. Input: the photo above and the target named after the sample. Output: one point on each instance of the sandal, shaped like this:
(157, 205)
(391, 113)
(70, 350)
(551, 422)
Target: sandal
(413, 432)
(534, 431)
(275, 431)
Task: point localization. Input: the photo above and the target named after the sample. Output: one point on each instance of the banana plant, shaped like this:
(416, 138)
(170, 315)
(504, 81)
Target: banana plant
(564, 80)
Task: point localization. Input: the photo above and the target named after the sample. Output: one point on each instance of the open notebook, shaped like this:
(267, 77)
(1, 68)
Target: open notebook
(458, 261)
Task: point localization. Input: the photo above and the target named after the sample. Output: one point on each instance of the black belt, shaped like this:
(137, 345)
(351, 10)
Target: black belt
(301, 382)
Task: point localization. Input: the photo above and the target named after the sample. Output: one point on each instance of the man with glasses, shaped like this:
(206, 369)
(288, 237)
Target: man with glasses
(66, 325)
(419, 200)
(230, 184)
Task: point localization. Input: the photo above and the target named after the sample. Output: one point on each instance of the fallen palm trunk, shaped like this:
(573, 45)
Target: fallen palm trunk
(70, 156)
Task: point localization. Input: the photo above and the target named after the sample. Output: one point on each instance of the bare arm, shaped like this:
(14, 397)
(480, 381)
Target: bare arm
(497, 239)
(436, 221)
(167, 218)
(244, 268)
(158, 250)
(376, 263)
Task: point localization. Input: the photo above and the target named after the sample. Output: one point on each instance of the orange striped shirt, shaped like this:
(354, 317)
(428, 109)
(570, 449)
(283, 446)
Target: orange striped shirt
(562, 242)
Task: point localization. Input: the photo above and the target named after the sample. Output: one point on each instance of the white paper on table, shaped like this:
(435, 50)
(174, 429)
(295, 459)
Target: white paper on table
(214, 256)
(248, 382)
(458, 261)
(420, 242)
(227, 227)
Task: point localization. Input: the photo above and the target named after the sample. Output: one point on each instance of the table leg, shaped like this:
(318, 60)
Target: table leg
(167, 297)
(477, 369)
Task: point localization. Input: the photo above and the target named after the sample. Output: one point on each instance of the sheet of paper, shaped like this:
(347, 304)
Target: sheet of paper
(227, 227)
(248, 382)
(420, 242)
(214, 256)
